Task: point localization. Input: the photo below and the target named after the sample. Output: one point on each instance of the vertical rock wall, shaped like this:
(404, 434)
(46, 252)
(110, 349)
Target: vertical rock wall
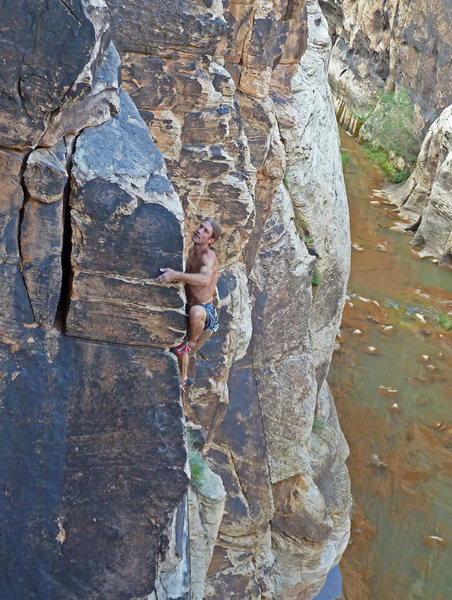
(392, 45)
(94, 469)
(213, 85)
(90, 416)
(425, 199)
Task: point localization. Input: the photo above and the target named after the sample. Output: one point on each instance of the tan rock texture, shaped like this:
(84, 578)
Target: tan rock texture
(425, 199)
(387, 44)
(217, 99)
(100, 185)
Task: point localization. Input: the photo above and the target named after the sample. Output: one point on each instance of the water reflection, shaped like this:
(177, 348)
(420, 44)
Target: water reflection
(392, 382)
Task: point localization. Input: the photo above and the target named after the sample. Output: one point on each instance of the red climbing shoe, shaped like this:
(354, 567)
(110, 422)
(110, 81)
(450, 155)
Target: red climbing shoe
(182, 349)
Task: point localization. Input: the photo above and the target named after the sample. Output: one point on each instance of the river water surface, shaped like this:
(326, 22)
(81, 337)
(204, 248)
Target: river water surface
(392, 381)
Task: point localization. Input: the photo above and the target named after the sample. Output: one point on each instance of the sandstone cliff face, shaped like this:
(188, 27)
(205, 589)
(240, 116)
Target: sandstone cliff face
(425, 199)
(221, 109)
(95, 453)
(91, 421)
(387, 44)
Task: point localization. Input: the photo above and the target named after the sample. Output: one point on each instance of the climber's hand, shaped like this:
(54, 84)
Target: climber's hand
(167, 276)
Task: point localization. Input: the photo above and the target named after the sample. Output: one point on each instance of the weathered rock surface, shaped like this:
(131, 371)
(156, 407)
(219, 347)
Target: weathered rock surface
(425, 199)
(48, 63)
(92, 429)
(95, 460)
(316, 186)
(217, 101)
(126, 219)
(382, 45)
(206, 506)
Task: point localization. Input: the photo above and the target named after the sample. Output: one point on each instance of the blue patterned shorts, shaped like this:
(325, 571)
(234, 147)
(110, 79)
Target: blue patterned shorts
(212, 322)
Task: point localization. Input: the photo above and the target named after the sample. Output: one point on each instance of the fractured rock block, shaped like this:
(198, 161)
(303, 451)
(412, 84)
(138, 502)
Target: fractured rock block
(14, 304)
(42, 230)
(95, 108)
(42, 240)
(126, 222)
(300, 510)
(45, 175)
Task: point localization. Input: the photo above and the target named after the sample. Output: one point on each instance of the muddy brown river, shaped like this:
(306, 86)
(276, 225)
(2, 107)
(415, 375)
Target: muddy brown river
(392, 380)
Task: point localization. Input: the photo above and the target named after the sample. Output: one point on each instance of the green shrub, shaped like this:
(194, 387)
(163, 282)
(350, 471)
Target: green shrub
(195, 460)
(388, 129)
(317, 277)
(318, 424)
(444, 321)
(344, 158)
(285, 181)
(439, 318)
(197, 468)
(401, 176)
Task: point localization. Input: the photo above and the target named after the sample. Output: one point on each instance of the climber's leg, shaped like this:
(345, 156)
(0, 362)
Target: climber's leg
(196, 323)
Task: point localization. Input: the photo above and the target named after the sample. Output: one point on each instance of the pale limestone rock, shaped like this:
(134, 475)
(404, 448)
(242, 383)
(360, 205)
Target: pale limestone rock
(425, 199)
(206, 507)
(173, 576)
(315, 184)
(302, 566)
(245, 567)
(323, 522)
(282, 351)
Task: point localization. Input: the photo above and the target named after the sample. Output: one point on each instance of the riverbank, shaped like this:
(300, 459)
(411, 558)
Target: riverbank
(391, 380)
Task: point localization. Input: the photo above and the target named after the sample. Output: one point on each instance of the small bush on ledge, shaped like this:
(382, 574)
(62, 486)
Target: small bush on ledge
(196, 462)
(318, 424)
(317, 278)
(388, 132)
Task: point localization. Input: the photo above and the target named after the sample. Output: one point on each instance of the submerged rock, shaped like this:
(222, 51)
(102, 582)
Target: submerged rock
(376, 461)
(434, 541)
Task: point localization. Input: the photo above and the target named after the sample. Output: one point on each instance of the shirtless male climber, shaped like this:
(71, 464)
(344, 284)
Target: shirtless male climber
(200, 278)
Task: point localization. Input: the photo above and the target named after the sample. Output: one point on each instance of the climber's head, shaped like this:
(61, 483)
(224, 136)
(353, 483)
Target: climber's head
(216, 228)
(207, 232)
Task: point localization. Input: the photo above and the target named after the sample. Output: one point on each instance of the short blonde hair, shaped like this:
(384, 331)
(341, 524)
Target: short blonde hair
(216, 228)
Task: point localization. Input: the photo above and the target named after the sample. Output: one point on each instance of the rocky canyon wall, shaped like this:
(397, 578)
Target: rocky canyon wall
(216, 116)
(91, 420)
(425, 199)
(391, 44)
(398, 44)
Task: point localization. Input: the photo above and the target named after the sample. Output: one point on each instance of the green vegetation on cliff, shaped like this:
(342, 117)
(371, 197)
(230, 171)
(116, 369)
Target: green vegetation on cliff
(195, 460)
(388, 133)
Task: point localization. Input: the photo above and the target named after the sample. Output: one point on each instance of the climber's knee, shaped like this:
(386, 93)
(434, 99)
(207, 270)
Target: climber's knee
(197, 314)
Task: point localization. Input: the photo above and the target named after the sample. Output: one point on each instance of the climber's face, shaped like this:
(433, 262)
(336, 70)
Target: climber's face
(203, 234)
